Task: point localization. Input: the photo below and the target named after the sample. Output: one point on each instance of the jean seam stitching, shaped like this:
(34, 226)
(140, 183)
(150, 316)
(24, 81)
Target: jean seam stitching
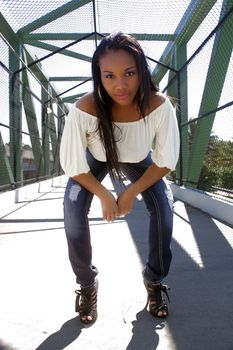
(160, 250)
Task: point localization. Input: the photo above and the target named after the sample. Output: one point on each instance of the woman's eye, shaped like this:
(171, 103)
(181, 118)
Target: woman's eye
(130, 74)
(108, 76)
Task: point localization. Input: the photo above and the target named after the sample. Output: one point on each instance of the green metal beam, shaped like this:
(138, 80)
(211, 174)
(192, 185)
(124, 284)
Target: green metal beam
(51, 135)
(181, 58)
(75, 36)
(218, 66)
(32, 124)
(173, 91)
(55, 36)
(14, 166)
(53, 15)
(153, 37)
(178, 90)
(69, 78)
(14, 41)
(63, 52)
(7, 31)
(191, 20)
(54, 141)
(61, 124)
(45, 95)
(15, 114)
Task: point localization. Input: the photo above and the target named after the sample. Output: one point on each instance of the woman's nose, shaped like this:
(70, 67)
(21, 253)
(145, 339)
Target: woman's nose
(121, 84)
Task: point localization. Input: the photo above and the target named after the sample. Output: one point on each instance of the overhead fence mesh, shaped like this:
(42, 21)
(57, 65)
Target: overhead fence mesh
(45, 66)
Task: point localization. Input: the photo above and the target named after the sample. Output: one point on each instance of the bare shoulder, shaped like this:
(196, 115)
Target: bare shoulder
(156, 100)
(86, 104)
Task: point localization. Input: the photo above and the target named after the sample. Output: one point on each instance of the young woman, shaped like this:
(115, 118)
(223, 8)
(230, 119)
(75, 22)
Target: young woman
(111, 130)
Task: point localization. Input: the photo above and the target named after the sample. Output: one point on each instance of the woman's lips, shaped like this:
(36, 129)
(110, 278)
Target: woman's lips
(122, 96)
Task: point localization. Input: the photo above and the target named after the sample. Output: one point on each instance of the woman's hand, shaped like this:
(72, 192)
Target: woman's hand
(108, 201)
(109, 206)
(125, 202)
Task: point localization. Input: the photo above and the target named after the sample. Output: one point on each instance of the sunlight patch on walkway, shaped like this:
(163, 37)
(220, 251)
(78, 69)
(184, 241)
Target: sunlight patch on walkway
(184, 235)
(166, 339)
(226, 231)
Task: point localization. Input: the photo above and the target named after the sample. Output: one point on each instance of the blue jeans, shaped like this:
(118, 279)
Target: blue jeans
(159, 203)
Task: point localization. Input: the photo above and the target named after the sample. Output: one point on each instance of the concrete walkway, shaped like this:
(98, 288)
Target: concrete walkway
(37, 283)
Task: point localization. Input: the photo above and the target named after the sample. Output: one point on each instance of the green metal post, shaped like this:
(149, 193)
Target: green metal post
(45, 131)
(15, 115)
(61, 124)
(181, 58)
(6, 176)
(31, 117)
(54, 141)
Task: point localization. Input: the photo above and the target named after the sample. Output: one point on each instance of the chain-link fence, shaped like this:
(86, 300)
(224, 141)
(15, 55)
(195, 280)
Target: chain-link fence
(31, 123)
(206, 121)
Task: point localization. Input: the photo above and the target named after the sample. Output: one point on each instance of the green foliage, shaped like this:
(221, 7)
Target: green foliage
(217, 170)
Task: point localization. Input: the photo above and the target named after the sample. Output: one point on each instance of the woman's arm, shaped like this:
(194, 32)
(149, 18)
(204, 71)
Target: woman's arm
(74, 142)
(108, 201)
(150, 177)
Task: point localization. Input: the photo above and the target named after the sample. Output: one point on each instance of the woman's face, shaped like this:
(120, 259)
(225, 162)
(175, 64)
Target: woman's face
(119, 76)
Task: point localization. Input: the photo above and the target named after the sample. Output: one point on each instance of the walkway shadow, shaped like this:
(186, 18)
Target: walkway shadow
(59, 340)
(198, 293)
(144, 332)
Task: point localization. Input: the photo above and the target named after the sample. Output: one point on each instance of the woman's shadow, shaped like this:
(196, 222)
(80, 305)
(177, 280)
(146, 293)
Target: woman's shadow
(144, 332)
(59, 340)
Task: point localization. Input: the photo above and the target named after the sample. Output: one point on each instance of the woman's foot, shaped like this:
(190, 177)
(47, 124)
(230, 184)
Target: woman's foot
(157, 305)
(86, 303)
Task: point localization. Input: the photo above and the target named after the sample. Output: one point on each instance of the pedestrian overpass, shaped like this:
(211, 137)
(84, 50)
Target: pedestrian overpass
(45, 59)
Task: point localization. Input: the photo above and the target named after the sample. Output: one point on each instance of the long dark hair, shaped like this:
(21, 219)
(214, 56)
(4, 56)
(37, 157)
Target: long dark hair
(103, 102)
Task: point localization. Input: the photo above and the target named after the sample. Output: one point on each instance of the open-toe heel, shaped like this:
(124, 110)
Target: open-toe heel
(86, 303)
(156, 303)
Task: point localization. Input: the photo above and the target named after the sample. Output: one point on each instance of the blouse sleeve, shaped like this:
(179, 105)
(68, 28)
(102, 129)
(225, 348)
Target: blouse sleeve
(73, 144)
(167, 139)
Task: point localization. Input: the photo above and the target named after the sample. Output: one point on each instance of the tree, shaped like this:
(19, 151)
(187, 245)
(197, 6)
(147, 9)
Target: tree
(217, 165)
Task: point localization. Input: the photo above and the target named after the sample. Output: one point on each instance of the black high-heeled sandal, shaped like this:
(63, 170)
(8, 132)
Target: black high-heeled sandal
(157, 305)
(86, 304)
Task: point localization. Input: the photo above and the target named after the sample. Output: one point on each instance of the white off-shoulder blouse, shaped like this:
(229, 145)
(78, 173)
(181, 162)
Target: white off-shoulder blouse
(134, 139)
